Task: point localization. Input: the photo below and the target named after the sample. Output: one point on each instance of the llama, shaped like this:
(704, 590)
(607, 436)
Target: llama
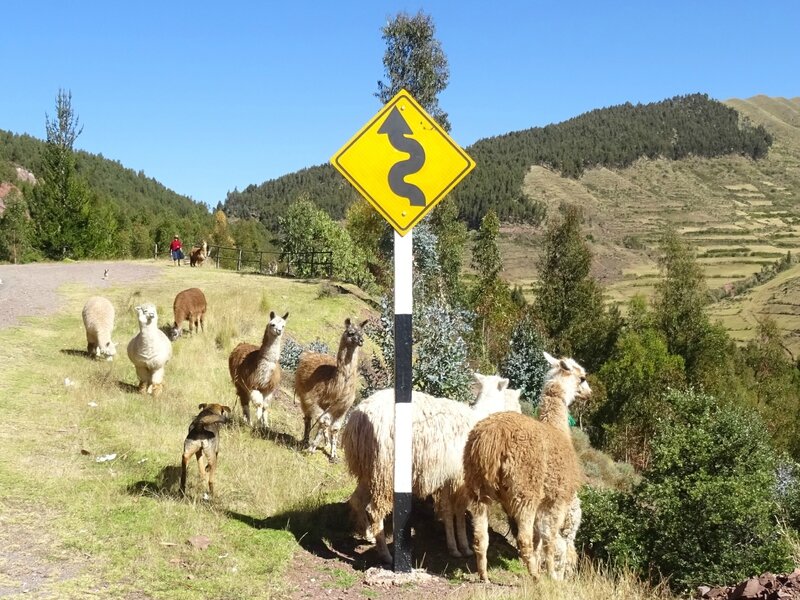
(198, 254)
(189, 305)
(149, 351)
(440, 430)
(529, 466)
(326, 386)
(98, 319)
(256, 370)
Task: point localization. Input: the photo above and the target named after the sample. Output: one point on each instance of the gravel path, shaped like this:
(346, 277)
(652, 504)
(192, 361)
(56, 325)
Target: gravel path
(32, 290)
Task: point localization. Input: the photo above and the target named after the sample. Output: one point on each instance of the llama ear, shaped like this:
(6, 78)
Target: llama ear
(364, 323)
(502, 384)
(226, 409)
(271, 315)
(564, 365)
(478, 377)
(286, 316)
(347, 322)
(551, 360)
(202, 406)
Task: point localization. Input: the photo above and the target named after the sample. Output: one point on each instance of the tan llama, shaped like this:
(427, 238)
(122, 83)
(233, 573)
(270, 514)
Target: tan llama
(326, 386)
(256, 370)
(529, 466)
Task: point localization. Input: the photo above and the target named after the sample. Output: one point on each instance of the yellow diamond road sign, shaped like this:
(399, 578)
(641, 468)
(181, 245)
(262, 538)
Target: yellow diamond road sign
(402, 162)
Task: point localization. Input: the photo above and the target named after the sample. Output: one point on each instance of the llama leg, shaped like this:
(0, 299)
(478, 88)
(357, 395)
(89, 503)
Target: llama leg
(334, 438)
(480, 523)
(306, 429)
(158, 381)
(379, 534)
(549, 542)
(143, 375)
(461, 529)
(246, 410)
(525, 526)
(258, 400)
(443, 503)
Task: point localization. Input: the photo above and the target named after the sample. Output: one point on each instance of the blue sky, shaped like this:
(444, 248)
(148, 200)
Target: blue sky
(209, 96)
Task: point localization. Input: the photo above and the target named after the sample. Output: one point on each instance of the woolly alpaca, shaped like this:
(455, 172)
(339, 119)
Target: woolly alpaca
(149, 351)
(98, 319)
(529, 466)
(440, 430)
(256, 370)
(565, 556)
(326, 386)
(190, 305)
(198, 254)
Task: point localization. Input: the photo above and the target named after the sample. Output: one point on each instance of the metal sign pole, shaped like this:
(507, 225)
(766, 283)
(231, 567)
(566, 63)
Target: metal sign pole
(403, 305)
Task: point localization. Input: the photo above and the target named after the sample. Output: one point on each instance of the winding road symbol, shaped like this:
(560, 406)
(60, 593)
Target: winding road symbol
(396, 128)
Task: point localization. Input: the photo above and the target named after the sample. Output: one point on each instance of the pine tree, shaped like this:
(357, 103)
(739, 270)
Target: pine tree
(60, 202)
(569, 302)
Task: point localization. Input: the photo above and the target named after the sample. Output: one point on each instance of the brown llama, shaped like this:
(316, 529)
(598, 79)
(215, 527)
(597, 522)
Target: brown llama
(256, 370)
(326, 386)
(198, 254)
(529, 466)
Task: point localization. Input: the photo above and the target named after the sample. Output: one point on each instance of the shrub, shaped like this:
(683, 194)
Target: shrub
(290, 354)
(524, 364)
(705, 509)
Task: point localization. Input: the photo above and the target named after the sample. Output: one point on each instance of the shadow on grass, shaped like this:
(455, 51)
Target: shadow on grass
(326, 532)
(74, 352)
(128, 387)
(165, 484)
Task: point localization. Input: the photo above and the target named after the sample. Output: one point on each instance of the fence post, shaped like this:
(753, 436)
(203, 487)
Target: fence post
(260, 262)
(155, 251)
(330, 264)
(219, 250)
(239, 261)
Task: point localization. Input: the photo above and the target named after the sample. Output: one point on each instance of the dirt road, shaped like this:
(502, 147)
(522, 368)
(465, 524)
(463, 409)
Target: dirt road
(32, 290)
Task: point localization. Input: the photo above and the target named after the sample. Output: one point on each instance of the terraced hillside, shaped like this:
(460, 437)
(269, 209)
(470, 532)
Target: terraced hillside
(739, 213)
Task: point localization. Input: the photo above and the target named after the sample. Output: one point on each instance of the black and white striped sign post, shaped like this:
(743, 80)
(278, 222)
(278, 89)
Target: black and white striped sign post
(403, 308)
(403, 163)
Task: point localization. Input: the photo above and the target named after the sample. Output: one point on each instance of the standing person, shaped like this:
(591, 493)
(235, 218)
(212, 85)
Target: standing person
(176, 250)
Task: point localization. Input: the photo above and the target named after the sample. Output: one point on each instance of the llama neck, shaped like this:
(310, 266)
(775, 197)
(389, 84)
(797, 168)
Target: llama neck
(553, 406)
(346, 361)
(270, 348)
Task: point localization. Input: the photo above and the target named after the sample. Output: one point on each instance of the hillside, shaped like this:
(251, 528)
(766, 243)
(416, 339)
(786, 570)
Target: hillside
(740, 213)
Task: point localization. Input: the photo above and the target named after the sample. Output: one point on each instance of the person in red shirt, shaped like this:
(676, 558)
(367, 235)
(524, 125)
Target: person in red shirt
(176, 250)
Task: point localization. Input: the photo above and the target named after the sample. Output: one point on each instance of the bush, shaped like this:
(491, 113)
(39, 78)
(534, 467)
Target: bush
(524, 365)
(290, 354)
(705, 511)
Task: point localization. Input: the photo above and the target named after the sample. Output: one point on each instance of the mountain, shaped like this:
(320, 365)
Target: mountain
(613, 137)
(741, 214)
(131, 192)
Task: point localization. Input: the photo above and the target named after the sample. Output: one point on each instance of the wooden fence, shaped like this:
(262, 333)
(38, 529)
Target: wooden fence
(313, 263)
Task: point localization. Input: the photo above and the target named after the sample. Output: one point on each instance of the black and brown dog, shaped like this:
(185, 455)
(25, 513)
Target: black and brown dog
(203, 441)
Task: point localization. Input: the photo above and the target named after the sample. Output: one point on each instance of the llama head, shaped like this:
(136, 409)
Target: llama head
(175, 332)
(108, 351)
(570, 375)
(353, 334)
(276, 325)
(491, 395)
(147, 315)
